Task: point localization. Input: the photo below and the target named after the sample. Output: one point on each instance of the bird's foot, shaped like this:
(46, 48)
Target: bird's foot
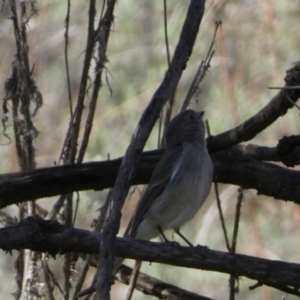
(184, 238)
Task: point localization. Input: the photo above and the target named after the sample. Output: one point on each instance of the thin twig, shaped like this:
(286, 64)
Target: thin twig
(166, 32)
(101, 36)
(296, 87)
(133, 279)
(237, 219)
(90, 289)
(82, 276)
(56, 207)
(152, 286)
(67, 24)
(161, 142)
(221, 216)
(76, 208)
(49, 277)
(103, 212)
(69, 149)
(219, 200)
(291, 101)
(67, 215)
(201, 71)
(233, 278)
(21, 89)
(87, 262)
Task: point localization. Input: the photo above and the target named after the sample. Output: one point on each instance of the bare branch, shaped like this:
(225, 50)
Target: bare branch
(152, 286)
(51, 237)
(268, 179)
(276, 108)
(134, 151)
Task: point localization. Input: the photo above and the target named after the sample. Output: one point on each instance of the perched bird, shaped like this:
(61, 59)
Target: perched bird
(180, 182)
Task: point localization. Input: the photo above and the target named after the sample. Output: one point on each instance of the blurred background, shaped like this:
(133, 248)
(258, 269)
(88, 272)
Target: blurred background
(257, 42)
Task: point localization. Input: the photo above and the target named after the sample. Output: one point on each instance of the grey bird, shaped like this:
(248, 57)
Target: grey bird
(180, 182)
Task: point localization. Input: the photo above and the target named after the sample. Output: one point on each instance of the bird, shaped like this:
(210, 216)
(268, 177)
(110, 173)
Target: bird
(180, 182)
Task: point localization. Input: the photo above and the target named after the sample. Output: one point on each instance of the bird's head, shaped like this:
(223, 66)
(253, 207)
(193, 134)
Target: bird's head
(187, 126)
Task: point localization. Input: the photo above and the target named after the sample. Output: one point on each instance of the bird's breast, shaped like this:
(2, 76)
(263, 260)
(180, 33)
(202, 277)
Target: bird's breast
(187, 189)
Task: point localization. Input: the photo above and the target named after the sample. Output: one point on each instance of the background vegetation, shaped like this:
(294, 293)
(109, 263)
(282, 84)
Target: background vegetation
(257, 42)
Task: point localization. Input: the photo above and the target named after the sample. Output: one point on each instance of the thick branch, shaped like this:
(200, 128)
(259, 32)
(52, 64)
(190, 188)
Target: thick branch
(276, 108)
(268, 179)
(133, 153)
(51, 237)
(287, 151)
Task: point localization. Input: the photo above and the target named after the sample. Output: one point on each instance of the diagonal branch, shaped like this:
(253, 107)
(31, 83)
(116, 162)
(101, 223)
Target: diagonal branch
(152, 286)
(276, 108)
(134, 151)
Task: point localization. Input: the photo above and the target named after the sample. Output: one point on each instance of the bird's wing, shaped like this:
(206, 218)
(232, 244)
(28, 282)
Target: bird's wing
(158, 182)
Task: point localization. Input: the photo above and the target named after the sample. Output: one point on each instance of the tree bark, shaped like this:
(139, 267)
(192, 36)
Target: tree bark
(267, 178)
(51, 237)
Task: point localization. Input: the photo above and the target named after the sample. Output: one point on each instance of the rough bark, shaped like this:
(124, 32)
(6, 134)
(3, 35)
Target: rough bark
(267, 178)
(51, 237)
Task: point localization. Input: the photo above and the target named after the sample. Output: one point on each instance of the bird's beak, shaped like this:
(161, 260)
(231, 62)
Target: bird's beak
(200, 114)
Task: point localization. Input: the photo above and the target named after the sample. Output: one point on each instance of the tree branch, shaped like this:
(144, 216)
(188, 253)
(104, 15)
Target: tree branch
(51, 237)
(276, 108)
(133, 153)
(152, 286)
(268, 179)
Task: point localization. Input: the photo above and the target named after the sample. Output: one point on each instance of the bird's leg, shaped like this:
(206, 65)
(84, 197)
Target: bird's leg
(164, 237)
(162, 234)
(184, 238)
